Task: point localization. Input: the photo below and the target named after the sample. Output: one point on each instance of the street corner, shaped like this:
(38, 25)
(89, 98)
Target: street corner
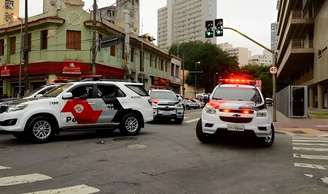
(310, 132)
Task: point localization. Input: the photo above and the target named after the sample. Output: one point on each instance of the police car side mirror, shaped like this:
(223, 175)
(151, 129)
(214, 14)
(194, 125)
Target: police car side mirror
(67, 95)
(269, 101)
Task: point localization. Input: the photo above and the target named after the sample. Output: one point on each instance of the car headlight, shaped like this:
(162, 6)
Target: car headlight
(261, 114)
(209, 109)
(17, 107)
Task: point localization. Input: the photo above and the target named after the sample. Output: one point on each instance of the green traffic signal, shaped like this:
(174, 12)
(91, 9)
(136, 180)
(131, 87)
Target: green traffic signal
(219, 32)
(209, 34)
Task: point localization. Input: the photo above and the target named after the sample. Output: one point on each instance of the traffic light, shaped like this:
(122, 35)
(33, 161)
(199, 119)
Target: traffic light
(218, 27)
(209, 33)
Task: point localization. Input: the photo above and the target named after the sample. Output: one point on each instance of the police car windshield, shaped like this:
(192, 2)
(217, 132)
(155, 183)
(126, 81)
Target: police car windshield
(163, 95)
(28, 94)
(57, 90)
(237, 94)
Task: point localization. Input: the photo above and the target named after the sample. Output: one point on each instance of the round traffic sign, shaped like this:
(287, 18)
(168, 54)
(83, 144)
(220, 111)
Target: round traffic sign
(273, 70)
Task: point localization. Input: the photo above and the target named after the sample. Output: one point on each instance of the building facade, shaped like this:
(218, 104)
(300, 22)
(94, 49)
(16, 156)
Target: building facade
(184, 21)
(302, 48)
(274, 37)
(264, 59)
(243, 55)
(60, 42)
(8, 8)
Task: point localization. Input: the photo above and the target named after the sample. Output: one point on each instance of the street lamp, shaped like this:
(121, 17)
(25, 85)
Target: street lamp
(20, 57)
(196, 63)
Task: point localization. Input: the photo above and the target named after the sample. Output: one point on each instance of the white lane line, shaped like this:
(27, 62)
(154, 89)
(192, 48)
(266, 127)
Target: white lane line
(322, 126)
(79, 189)
(324, 180)
(313, 157)
(4, 168)
(304, 165)
(192, 121)
(310, 140)
(311, 144)
(311, 149)
(22, 179)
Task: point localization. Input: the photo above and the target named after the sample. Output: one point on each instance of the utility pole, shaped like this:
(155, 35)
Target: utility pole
(26, 82)
(94, 37)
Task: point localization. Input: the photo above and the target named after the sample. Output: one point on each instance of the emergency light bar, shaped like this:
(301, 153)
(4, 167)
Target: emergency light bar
(237, 81)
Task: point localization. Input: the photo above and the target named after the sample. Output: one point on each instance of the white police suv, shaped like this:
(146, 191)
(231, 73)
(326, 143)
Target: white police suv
(85, 104)
(236, 106)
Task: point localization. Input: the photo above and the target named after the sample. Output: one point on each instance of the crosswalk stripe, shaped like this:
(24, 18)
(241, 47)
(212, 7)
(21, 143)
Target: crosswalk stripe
(325, 180)
(79, 189)
(192, 121)
(311, 149)
(314, 157)
(22, 179)
(4, 167)
(304, 165)
(310, 140)
(311, 144)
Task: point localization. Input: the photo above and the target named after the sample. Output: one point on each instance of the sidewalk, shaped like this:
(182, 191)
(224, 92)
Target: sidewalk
(308, 127)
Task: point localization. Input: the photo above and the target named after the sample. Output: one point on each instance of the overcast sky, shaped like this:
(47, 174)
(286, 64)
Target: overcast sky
(252, 17)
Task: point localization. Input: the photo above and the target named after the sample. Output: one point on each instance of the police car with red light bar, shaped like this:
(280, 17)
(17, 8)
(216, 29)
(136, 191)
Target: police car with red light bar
(236, 106)
(85, 104)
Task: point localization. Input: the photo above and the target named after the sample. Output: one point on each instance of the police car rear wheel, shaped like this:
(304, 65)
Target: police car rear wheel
(203, 137)
(41, 129)
(130, 124)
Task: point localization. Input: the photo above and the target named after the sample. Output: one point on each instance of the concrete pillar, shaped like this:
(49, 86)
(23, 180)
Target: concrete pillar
(320, 96)
(311, 97)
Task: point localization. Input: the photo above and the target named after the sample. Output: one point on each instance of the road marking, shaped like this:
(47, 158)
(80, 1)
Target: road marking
(311, 149)
(310, 140)
(314, 157)
(192, 121)
(322, 126)
(79, 189)
(309, 175)
(304, 165)
(325, 180)
(311, 144)
(21, 179)
(4, 168)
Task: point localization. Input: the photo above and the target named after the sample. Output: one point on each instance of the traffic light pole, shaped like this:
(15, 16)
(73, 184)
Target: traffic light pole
(274, 76)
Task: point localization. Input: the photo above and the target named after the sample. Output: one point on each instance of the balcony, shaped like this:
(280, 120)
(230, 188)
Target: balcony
(298, 57)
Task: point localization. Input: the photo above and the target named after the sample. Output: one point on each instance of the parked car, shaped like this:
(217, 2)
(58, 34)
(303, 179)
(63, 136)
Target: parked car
(189, 104)
(200, 103)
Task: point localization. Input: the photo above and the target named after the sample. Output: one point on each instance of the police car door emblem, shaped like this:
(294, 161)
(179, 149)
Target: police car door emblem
(79, 108)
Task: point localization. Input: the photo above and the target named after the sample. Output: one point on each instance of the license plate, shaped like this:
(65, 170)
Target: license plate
(236, 128)
(163, 112)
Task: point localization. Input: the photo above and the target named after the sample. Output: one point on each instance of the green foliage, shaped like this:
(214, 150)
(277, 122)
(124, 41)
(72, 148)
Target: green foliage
(260, 72)
(214, 63)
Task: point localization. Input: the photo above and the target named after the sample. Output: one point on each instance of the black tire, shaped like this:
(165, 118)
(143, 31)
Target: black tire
(130, 125)
(178, 120)
(40, 129)
(203, 137)
(268, 141)
(20, 136)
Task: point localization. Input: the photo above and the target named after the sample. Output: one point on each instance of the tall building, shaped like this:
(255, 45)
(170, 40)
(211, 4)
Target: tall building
(302, 48)
(242, 54)
(8, 8)
(264, 59)
(184, 20)
(274, 38)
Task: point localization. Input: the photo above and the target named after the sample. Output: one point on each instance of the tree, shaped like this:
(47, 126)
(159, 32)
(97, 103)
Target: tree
(260, 72)
(213, 63)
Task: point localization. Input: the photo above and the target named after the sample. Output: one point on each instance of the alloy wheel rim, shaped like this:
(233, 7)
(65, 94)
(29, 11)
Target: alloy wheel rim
(42, 129)
(268, 138)
(131, 124)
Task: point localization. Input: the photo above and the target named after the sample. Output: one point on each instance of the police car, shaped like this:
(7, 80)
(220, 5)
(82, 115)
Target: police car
(236, 106)
(85, 104)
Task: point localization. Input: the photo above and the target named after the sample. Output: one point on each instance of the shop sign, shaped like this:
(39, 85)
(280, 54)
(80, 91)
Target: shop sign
(71, 68)
(5, 72)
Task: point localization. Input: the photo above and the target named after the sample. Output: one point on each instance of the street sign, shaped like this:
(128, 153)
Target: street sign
(273, 70)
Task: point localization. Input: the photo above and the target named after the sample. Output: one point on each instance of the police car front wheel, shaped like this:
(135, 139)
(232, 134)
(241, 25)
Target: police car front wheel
(40, 129)
(203, 137)
(130, 124)
(269, 139)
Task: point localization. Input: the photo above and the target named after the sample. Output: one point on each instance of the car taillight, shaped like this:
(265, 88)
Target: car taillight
(215, 104)
(154, 101)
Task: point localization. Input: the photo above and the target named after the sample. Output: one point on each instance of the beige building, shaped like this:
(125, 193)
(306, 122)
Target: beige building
(8, 8)
(264, 59)
(302, 48)
(184, 21)
(242, 54)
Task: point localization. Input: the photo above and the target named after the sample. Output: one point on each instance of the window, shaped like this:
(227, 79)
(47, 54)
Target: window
(142, 60)
(162, 65)
(113, 51)
(12, 41)
(138, 89)
(2, 47)
(109, 91)
(29, 40)
(44, 39)
(83, 92)
(151, 61)
(177, 72)
(73, 40)
(132, 54)
(172, 69)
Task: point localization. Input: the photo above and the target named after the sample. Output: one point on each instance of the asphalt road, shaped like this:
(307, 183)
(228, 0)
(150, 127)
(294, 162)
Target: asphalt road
(165, 158)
